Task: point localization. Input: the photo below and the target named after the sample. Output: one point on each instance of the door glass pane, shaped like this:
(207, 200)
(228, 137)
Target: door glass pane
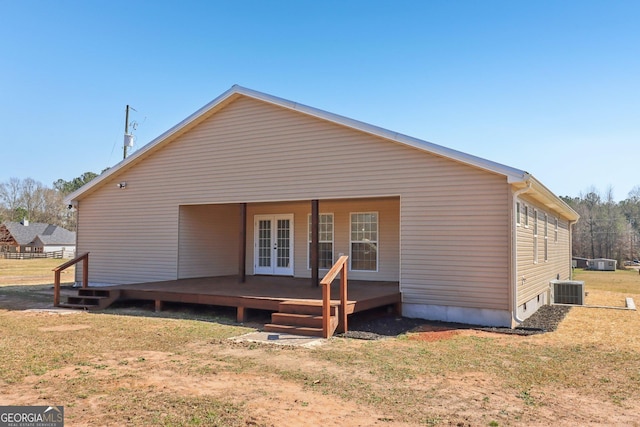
(284, 249)
(264, 243)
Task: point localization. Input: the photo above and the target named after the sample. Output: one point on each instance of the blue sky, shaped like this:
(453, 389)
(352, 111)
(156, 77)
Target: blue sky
(551, 87)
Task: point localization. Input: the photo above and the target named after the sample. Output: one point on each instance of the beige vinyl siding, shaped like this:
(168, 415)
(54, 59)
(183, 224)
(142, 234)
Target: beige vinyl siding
(454, 218)
(537, 275)
(123, 246)
(208, 240)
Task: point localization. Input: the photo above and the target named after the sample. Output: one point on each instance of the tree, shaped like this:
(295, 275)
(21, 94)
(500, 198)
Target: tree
(67, 187)
(10, 198)
(606, 229)
(29, 199)
(591, 204)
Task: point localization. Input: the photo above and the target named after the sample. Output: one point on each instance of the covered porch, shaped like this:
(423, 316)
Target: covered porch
(270, 256)
(301, 239)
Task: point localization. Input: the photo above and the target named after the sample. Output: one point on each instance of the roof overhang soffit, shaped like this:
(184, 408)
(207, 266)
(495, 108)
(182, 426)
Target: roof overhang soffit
(545, 197)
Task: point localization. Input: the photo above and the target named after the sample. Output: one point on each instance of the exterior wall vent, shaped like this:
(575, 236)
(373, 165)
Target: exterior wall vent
(567, 292)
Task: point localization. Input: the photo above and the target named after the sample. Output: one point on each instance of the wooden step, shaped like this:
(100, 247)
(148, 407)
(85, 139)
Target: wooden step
(294, 330)
(300, 324)
(85, 300)
(92, 298)
(306, 307)
(93, 292)
(309, 320)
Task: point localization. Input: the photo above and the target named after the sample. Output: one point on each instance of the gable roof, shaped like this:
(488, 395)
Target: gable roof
(48, 234)
(514, 176)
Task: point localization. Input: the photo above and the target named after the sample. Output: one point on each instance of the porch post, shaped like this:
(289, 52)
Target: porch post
(242, 259)
(315, 244)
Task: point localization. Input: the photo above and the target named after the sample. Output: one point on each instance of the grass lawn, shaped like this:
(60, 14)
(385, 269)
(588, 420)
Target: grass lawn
(32, 271)
(111, 368)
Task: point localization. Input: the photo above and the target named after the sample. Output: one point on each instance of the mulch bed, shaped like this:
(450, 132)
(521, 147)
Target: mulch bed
(377, 324)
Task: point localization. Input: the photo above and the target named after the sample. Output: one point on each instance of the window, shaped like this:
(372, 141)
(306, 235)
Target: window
(364, 241)
(535, 236)
(325, 241)
(526, 216)
(546, 238)
(518, 213)
(555, 231)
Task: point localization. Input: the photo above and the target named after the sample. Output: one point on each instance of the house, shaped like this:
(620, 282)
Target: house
(603, 264)
(579, 262)
(231, 189)
(41, 238)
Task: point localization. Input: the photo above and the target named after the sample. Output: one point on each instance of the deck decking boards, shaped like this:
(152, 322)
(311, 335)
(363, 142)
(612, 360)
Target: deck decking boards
(259, 292)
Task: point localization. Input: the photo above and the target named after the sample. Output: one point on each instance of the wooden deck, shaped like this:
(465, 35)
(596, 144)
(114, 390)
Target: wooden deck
(259, 292)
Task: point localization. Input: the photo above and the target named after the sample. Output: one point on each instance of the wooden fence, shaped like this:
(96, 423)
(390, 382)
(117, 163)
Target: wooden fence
(34, 255)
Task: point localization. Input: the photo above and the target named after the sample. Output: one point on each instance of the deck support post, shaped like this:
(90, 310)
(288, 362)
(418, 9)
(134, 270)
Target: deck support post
(397, 309)
(240, 315)
(242, 259)
(342, 313)
(315, 243)
(158, 306)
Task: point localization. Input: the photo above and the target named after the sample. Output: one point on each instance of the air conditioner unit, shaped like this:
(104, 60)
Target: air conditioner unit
(567, 292)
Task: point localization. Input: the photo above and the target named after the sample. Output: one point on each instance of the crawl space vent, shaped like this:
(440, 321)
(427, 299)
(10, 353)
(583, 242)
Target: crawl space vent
(567, 292)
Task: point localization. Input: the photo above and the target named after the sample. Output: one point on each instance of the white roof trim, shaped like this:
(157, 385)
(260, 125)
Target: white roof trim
(513, 175)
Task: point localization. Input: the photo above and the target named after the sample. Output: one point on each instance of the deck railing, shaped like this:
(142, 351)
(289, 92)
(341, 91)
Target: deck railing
(340, 267)
(85, 275)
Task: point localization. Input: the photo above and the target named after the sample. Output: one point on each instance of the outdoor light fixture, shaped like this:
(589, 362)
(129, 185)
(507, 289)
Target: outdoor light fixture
(122, 184)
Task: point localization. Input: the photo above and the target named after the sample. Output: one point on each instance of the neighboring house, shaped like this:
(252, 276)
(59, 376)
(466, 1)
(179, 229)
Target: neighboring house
(603, 264)
(467, 239)
(37, 237)
(579, 262)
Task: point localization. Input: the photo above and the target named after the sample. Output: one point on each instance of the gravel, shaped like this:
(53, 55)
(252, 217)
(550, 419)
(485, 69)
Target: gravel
(377, 324)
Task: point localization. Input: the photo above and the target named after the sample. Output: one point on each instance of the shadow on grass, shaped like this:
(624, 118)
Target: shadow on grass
(24, 297)
(201, 312)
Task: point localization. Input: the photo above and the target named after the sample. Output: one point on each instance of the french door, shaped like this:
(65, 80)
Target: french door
(273, 244)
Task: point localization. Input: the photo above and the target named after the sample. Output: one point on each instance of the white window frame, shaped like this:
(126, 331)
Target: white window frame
(333, 245)
(377, 241)
(526, 216)
(546, 238)
(535, 236)
(555, 231)
(518, 220)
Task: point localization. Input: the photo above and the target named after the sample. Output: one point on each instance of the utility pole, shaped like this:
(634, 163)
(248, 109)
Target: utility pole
(126, 132)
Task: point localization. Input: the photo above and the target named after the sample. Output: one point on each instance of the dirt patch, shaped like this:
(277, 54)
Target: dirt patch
(431, 333)
(270, 400)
